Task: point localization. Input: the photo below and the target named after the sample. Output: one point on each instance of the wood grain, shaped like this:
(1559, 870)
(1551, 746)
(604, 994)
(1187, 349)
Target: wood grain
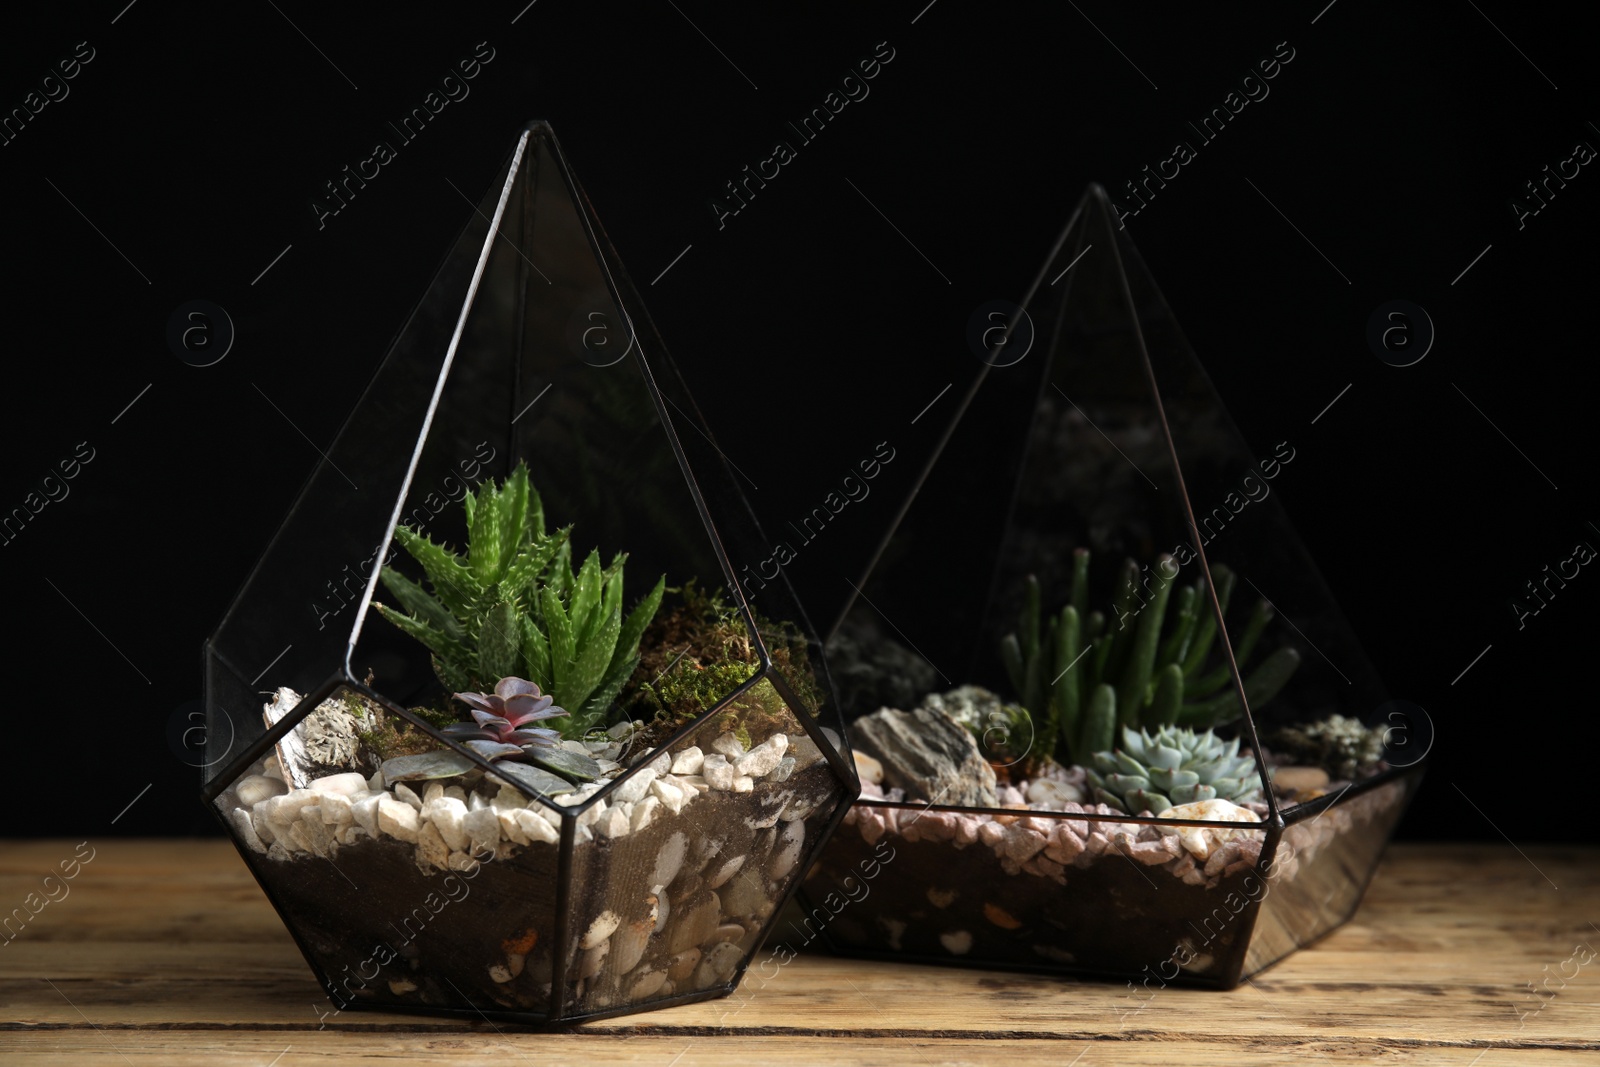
(167, 952)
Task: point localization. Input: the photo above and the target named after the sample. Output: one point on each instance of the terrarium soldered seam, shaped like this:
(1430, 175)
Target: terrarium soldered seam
(538, 654)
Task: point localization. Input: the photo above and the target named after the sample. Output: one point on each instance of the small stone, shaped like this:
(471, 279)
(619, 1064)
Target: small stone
(928, 754)
(1052, 795)
(1023, 844)
(991, 833)
(723, 957)
(957, 942)
(763, 759)
(350, 784)
(648, 984)
(669, 861)
(398, 820)
(628, 944)
(1221, 857)
(616, 822)
(868, 769)
(1001, 917)
(619, 732)
(784, 769)
(694, 926)
(1299, 779)
(744, 784)
(728, 745)
(942, 898)
(1202, 840)
(433, 791)
(644, 812)
(786, 852)
(400, 987)
(593, 960)
(449, 815)
(536, 827)
(635, 787)
(682, 965)
(718, 772)
(688, 761)
(270, 767)
(1154, 853)
(404, 792)
(669, 794)
(431, 847)
(662, 764)
(509, 827)
(256, 788)
(604, 925)
(728, 869)
(365, 813)
(337, 810)
(483, 830)
(457, 793)
(247, 831)
(376, 784)
(744, 895)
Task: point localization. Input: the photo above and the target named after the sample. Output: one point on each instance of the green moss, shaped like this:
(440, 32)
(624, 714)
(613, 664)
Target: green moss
(696, 654)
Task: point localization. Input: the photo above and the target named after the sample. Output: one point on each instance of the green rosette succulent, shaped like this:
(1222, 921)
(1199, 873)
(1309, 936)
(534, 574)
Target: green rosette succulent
(1173, 766)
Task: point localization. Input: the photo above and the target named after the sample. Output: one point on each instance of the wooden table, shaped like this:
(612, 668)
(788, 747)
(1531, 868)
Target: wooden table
(166, 952)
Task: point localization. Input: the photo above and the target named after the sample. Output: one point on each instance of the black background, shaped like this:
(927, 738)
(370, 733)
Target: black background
(190, 148)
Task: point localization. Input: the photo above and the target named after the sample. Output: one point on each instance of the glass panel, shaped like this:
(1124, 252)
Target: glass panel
(528, 596)
(667, 906)
(1121, 604)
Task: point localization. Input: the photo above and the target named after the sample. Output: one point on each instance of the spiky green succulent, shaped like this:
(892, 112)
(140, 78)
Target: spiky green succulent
(1082, 676)
(513, 606)
(1173, 766)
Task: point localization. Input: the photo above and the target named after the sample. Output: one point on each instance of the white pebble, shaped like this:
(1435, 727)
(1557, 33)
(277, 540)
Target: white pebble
(958, 943)
(350, 784)
(397, 819)
(256, 788)
(688, 761)
(635, 787)
(763, 759)
(603, 927)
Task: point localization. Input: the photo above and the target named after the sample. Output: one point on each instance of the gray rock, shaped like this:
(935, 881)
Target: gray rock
(929, 755)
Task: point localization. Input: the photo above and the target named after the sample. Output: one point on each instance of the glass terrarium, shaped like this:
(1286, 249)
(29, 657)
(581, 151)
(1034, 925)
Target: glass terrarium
(1108, 718)
(491, 721)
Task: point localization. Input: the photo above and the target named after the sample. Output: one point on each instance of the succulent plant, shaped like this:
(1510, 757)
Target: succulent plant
(500, 719)
(1081, 678)
(1340, 745)
(1174, 766)
(513, 607)
(500, 729)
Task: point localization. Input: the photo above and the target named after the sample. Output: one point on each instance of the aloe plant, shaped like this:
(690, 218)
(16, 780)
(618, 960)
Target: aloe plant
(512, 606)
(1081, 679)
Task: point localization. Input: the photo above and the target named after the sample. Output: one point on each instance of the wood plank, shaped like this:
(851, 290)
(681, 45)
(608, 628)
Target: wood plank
(180, 1048)
(170, 948)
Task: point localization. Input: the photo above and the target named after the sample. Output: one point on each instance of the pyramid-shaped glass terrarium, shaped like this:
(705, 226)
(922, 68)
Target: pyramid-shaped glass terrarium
(1046, 664)
(491, 722)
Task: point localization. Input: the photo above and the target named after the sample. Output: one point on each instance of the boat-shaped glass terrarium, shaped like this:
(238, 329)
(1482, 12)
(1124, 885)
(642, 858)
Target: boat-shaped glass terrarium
(490, 721)
(1109, 719)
